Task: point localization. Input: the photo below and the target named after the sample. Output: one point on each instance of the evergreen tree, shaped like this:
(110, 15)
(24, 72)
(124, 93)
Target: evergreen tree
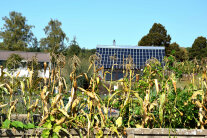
(74, 48)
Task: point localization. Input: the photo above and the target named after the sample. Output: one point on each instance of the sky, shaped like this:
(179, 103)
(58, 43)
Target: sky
(99, 22)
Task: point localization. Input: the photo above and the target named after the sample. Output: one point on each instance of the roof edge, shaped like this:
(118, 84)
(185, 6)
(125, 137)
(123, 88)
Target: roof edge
(23, 52)
(131, 47)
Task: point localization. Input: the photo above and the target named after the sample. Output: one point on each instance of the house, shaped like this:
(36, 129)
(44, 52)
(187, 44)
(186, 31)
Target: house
(27, 56)
(118, 56)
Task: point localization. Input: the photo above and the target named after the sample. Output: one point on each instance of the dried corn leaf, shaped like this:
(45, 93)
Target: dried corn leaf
(8, 74)
(152, 105)
(18, 74)
(119, 122)
(22, 87)
(55, 100)
(156, 85)
(45, 67)
(64, 113)
(75, 103)
(58, 122)
(195, 94)
(90, 94)
(97, 80)
(34, 105)
(1, 106)
(9, 88)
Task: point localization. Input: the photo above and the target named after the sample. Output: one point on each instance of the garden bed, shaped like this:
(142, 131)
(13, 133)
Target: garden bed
(130, 133)
(154, 100)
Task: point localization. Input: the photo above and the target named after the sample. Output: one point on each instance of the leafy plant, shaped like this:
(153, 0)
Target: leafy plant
(7, 124)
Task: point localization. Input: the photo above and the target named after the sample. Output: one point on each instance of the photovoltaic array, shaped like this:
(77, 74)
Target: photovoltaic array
(119, 55)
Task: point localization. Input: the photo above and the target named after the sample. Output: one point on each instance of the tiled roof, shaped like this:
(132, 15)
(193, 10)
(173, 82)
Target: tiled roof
(41, 57)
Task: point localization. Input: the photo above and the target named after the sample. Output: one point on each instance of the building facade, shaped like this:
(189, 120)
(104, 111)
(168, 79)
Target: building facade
(119, 56)
(27, 56)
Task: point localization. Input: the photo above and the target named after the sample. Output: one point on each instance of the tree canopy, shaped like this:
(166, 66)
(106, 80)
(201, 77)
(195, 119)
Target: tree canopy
(55, 37)
(14, 61)
(74, 48)
(16, 33)
(199, 48)
(179, 53)
(35, 46)
(157, 36)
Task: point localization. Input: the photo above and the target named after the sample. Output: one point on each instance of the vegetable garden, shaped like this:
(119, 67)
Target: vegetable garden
(156, 98)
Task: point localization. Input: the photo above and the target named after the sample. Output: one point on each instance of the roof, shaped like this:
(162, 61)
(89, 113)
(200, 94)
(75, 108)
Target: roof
(41, 57)
(119, 55)
(130, 47)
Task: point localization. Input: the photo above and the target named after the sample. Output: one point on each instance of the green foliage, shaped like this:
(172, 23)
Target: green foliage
(29, 126)
(179, 53)
(54, 41)
(149, 101)
(17, 124)
(46, 133)
(86, 53)
(170, 61)
(52, 129)
(153, 100)
(14, 61)
(7, 124)
(16, 34)
(35, 46)
(199, 48)
(157, 36)
(74, 48)
(180, 113)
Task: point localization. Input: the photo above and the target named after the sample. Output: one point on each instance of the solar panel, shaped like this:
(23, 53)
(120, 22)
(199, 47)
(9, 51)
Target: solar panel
(120, 55)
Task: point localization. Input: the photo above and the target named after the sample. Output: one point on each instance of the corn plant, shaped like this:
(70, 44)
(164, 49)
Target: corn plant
(147, 99)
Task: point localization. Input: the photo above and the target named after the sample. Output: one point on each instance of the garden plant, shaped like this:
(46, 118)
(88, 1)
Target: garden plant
(157, 97)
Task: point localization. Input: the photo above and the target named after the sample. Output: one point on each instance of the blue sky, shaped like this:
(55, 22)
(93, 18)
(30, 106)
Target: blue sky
(127, 21)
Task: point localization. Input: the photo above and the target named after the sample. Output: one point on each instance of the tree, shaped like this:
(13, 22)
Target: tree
(157, 36)
(173, 47)
(179, 53)
(74, 48)
(13, 62)
(16, 34)
(35, 46)
(199, 48)
(86, 53)
(55, 37)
